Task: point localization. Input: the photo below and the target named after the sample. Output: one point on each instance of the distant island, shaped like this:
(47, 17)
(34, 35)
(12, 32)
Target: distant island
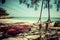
(4, 14)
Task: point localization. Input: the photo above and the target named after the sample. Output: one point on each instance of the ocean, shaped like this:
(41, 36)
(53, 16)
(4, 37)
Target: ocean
(36, 18)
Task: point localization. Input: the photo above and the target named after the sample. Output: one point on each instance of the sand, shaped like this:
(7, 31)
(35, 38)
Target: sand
(14, 21)
(29, 22)
(26, 21)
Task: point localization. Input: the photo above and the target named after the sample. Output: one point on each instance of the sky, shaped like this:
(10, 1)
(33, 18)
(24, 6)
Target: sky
(20, 10)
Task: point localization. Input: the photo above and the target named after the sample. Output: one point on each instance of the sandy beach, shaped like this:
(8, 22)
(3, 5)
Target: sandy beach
(29, 22)
(15, 20)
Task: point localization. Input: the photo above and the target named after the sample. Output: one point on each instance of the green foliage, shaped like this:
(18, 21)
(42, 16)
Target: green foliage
(35, 3)
(3, 12)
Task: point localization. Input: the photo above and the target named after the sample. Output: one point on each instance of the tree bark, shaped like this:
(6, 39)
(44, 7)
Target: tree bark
(48, 12)
(41, 11)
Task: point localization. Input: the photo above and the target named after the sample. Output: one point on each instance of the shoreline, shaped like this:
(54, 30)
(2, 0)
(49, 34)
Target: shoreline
(29, 22)
(15, 21)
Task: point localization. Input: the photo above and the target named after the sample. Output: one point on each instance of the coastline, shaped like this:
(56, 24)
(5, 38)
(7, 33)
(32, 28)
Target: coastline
(28, 22)
(15, 21)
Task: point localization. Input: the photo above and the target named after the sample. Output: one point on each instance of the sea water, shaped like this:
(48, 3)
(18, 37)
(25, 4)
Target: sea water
(36, 18)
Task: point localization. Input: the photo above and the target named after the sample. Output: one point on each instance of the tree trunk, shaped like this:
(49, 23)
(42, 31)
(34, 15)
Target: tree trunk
(48, 21)
(39, 21)
(48, 12)
(41, 11)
